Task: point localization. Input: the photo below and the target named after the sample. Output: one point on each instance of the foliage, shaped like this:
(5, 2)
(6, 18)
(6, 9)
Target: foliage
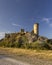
(38, 45)
(22, 41)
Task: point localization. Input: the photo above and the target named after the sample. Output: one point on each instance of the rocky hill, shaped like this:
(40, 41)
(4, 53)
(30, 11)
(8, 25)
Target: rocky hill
(23, 39)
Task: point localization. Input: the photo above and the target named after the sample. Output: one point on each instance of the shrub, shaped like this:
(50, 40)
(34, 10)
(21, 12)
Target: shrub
(41, 46)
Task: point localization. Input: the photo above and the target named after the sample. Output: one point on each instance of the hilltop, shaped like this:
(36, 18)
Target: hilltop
(24, 39)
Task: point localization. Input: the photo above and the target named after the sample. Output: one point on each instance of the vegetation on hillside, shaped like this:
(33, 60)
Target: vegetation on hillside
(25, 40)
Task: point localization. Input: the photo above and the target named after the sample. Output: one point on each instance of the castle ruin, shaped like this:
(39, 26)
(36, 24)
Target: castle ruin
(36, 29)
(22, 32)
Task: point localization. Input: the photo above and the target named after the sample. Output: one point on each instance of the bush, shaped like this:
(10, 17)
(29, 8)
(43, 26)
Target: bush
(22, 42)
(41, 46)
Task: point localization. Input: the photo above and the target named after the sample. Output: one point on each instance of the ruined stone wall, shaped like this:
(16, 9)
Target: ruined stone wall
(36, 29)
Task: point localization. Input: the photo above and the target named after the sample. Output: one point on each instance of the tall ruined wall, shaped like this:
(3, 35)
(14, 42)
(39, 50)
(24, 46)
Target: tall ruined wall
(36, 29)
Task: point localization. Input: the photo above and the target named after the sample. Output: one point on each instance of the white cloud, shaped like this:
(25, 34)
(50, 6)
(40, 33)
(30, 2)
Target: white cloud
(50, 25)
(16, 25)
(2, 34)
(47, 20)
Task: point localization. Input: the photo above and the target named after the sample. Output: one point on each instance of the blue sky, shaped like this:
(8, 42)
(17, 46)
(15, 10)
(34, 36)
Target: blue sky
(17, 14)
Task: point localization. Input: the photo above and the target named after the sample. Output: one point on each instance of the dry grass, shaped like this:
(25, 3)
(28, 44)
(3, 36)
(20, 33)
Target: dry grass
(27, 55)
(31, 53)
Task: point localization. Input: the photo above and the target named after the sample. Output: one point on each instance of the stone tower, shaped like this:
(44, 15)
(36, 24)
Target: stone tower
(36, 29)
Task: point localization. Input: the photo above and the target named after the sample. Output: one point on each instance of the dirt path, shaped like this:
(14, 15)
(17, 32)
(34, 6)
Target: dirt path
(5, 60)
(9, 61)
